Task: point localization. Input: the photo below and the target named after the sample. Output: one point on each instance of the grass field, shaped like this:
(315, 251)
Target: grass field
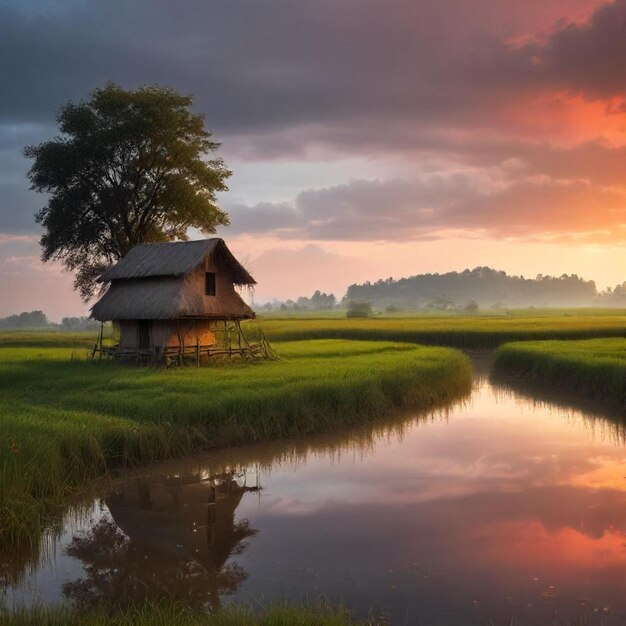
(66, 421)
(465, 332)
(593, 371)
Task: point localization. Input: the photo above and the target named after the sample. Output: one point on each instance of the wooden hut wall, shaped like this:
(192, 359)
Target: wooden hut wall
(223, 280)
(169, 333)
(129, 337)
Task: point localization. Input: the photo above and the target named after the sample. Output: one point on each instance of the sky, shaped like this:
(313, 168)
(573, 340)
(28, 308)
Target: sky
(368, 138)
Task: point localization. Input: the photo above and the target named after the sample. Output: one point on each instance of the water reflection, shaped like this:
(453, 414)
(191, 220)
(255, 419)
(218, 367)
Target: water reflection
(501, 509)
(166, 536)
(541, 395)
(25, 567)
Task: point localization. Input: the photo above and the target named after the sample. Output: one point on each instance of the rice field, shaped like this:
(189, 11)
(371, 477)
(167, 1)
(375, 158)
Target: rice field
(593, 371)
(67, 421)
(465, 332)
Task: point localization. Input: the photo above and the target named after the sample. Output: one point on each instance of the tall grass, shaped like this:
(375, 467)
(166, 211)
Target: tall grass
(591, 371)
(317, 614)
(67, 421)
(466, 332)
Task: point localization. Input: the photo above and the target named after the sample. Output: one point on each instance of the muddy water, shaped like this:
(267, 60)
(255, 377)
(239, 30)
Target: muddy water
(500, 508)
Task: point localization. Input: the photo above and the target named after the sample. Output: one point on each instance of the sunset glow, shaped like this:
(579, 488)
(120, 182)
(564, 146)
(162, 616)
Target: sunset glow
(497, 130)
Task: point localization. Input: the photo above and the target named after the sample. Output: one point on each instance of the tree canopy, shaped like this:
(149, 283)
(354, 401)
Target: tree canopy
(32, 319)
(481, 286)
(130, 167)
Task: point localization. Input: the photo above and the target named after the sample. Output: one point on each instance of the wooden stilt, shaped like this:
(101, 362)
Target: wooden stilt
(245, 339)
(181, 343)
(101, 335)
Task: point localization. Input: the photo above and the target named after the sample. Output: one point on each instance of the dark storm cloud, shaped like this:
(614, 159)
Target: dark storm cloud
(279, 77)
(254, 64)
(279, 63)
(597, 161)
(588, 58)
(18, 204)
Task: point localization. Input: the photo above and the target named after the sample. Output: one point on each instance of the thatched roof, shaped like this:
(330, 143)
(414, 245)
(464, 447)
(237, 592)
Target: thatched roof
(155, 281)
(176, 259)
(159, 298)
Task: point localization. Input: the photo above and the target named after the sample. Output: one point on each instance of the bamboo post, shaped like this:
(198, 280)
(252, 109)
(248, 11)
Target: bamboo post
(181, 343)
(198, 351)
(225, 340)
(97, 346)
(248, 346)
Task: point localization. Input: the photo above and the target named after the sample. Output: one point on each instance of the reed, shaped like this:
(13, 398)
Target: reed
(591, 371)
(173, 614)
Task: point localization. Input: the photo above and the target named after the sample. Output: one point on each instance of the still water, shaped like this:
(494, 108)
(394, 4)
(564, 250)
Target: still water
(497, 510)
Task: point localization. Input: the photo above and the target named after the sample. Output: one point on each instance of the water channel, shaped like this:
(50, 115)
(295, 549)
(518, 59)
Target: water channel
(500, 509)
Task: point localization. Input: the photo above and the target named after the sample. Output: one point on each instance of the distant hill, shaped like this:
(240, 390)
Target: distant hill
(482, 286)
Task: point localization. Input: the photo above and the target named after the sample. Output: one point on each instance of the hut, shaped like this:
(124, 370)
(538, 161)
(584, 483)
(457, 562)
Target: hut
(176, 301)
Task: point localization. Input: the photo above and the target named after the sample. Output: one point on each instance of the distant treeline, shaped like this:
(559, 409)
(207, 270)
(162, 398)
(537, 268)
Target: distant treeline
(613, 297)
(36, 320)
(317, 302)
(485, 288)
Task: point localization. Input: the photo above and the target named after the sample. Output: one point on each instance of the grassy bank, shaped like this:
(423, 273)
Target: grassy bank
(175, 615)
(591, 371)
(466, 332)
(67, 421)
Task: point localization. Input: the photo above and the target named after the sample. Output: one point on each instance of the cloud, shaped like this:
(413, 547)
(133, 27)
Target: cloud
(447, 83)
(18, 204)
(406, 210)
(588, 58)
(296, 80)
(278, 64)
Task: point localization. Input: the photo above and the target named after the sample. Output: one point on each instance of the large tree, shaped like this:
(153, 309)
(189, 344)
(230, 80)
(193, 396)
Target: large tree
(129, 167)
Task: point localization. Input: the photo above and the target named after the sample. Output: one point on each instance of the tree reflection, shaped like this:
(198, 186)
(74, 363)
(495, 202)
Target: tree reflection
(168, 538)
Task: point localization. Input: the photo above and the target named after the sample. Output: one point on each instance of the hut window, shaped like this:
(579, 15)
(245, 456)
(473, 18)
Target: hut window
(209, 283)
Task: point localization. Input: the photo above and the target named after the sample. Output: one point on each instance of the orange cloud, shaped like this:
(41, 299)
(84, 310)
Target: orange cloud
(565, 119)
(529, 545)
